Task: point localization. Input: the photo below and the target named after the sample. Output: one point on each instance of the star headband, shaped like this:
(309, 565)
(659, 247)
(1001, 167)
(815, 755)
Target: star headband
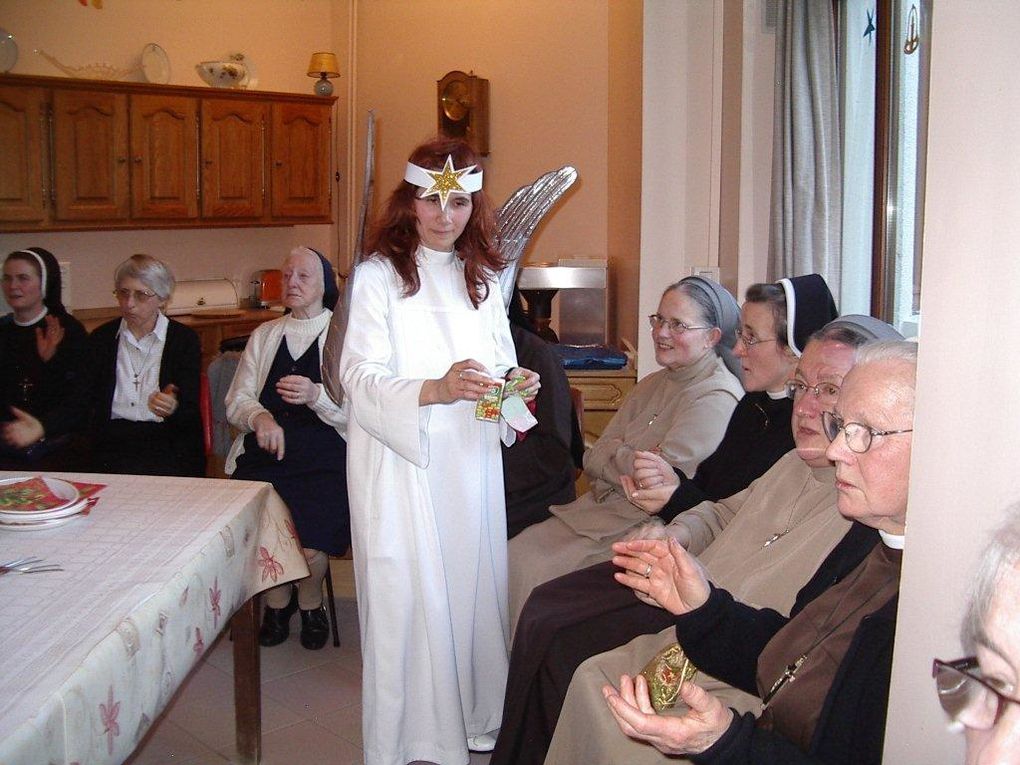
(444, 182)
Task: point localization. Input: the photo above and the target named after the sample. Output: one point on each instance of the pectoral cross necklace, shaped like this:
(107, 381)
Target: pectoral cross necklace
(145, 362)
(790, 673)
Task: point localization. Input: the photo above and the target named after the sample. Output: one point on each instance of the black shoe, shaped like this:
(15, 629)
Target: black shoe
(276, 623)
(314, 628)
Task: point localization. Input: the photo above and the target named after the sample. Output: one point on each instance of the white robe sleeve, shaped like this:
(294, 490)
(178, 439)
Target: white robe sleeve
(506, 353)
(384, 405)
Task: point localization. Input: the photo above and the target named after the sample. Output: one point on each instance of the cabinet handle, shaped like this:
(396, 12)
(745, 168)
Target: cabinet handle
(278, 163)
(138, 160)
(121, 160)
(208, 162)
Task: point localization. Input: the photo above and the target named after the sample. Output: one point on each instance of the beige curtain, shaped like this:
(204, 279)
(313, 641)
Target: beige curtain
(805, 222)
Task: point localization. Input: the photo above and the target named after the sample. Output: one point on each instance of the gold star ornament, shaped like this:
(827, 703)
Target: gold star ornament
(444, 182)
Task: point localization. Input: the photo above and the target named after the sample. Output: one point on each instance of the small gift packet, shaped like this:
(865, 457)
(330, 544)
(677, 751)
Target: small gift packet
(488, 406)
(666, 673)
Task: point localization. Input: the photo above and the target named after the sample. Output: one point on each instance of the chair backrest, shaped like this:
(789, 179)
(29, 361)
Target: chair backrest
(205, 409)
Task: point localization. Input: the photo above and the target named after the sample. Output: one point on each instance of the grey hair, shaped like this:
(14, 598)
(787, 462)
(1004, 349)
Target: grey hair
(887, 350)
(708, 313)
(1001, 559)
(150, 271)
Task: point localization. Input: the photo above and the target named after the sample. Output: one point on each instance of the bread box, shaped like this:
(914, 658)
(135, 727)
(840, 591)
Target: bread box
(198, 296)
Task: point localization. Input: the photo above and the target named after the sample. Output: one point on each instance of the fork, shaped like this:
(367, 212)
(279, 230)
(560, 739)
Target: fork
(20, 562)
(32, 568)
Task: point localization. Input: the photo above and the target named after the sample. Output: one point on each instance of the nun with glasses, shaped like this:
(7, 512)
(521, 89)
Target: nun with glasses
(145, 417)
(681, 411)
(289, 435)
(42, 367)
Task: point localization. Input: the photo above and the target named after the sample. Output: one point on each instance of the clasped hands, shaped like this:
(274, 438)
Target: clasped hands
(667, 573)
(468, 380)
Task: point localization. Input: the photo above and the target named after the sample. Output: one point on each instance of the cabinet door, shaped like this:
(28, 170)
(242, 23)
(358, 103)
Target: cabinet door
(90, 155)
(300, 160)
(164, 157)
(22, 116)
(233, 159)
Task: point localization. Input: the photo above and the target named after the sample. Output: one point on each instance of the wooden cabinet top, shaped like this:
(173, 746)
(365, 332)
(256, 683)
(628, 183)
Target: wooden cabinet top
(140, 88)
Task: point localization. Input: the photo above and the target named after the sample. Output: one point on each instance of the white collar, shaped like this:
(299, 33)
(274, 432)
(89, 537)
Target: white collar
(162, 322)
(777, 395)
(892, 541)
(30, 322)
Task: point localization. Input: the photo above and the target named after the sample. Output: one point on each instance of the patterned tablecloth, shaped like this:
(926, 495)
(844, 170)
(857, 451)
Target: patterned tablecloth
(91, 655)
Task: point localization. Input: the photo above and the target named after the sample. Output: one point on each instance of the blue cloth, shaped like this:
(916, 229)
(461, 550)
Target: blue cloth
(590, 356)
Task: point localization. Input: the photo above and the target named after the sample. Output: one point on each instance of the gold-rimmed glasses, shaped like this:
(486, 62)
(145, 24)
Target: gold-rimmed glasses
(675, 326)
(140, 296)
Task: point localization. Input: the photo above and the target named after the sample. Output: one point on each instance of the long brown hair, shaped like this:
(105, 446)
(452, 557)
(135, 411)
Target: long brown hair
(396, 238)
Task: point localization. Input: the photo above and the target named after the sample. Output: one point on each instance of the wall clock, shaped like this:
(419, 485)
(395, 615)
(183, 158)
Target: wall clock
(463, 109)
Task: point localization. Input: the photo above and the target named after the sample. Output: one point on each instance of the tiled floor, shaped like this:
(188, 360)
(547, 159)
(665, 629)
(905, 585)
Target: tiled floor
(311, 702)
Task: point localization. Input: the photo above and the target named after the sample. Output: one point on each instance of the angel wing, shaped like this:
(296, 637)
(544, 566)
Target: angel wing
(521, 214)
(334, 344)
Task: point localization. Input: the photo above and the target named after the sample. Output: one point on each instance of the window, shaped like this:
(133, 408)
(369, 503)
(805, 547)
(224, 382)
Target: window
(884, 52)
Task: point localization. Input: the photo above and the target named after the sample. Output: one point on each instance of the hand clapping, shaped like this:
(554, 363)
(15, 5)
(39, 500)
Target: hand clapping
(651, 484)
(664, 571)
(49, 337)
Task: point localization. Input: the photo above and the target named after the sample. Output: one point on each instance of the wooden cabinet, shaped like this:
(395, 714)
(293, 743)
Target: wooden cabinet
(164, 157)
(89, 155)
(233, 159)
(23, 197)
(300, 161)
(603, 392)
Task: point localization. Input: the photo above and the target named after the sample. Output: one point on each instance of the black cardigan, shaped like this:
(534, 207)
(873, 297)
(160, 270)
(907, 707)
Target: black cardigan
(757, 435)
(180, 364)
(725, 638)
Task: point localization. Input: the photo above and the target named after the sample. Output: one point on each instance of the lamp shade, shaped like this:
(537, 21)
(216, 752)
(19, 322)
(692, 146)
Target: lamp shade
(323, 65)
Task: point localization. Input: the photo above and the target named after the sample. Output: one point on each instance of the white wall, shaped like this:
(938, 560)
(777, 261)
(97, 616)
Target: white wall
(966, 438)
(680, 194)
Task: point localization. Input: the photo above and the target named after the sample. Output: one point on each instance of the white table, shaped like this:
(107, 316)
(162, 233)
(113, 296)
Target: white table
(93, 654)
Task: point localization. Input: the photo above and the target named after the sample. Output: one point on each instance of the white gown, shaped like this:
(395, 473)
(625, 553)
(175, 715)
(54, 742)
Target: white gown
(427, 513)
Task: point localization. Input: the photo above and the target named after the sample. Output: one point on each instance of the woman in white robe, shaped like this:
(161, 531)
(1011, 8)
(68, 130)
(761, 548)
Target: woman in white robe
(426, 337)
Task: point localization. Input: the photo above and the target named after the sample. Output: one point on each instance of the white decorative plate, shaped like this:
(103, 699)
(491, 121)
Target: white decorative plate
(34, 516)
(38, 525)
(155, 64)
(8, 51)
(59, 487)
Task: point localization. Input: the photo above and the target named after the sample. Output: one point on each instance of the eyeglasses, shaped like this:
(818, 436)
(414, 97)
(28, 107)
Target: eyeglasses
(675, 326)
(750, 340)
(140, 296)
(966, 697)
(825, 392)
(858, 436)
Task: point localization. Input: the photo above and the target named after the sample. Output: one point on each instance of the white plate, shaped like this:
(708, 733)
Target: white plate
(31, 516)
(60, 488)
(38, 525)
(8, 51)
(155, 64)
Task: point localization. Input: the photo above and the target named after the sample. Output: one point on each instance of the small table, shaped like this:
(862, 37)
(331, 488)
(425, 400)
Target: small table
(94, 653)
